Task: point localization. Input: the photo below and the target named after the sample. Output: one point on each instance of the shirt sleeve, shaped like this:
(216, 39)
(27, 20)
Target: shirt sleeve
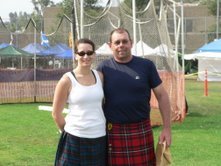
(155, 79)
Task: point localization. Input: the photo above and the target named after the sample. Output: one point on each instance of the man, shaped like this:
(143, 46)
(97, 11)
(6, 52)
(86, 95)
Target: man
(128, 81)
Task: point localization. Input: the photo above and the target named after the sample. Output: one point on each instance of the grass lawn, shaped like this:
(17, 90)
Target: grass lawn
(197, 141)
(29, 137)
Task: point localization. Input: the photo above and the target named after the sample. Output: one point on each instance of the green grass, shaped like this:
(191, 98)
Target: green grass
(197, 141)
(28, 137)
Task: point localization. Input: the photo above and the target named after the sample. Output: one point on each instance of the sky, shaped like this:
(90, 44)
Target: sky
(7, 6)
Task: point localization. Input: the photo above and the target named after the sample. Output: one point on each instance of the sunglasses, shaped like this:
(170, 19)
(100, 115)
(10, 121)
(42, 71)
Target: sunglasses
(82, 53)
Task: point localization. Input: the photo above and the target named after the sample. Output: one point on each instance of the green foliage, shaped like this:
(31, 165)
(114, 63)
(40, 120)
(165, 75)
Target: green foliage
(212, 5)
(18, 21)
(67, 6)
(90, 3)
(140, 4)
(39, 5)
(191, 66)
(38, 20)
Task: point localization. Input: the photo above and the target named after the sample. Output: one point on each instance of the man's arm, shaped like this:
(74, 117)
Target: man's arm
(165, 110)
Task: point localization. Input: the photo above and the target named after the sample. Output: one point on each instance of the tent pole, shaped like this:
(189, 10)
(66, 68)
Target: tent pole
(183, 46)
(21, 62)
(141, 39)
(182, 36)
(35, 90)
(217, 20)
(134, 24)
(82, 18)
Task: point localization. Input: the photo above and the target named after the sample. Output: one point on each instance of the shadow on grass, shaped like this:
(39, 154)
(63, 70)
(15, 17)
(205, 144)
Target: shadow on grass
(195, 114)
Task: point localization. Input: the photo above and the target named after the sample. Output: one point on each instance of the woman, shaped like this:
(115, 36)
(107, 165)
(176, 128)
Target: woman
(83, 138)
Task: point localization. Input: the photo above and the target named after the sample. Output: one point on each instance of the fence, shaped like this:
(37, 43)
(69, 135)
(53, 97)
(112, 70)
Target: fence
(19, 86)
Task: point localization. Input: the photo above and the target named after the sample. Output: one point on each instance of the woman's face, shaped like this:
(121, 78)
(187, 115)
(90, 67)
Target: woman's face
(85, 54)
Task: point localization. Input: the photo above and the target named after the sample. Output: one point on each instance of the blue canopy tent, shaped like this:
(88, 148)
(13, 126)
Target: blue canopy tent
(214, 46)
(56, 49)
(3, 45)
(68, 54)
(62, 46)
(34, 48)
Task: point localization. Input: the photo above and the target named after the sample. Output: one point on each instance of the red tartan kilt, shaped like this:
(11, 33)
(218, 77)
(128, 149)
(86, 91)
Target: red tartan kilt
(131, 144)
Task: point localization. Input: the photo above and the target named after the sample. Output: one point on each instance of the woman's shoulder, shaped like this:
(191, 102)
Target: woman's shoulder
(65, 78)
(99, 74)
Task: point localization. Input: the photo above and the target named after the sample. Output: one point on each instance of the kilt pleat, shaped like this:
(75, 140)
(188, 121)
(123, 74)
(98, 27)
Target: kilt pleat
(131, 144)
(78, 151)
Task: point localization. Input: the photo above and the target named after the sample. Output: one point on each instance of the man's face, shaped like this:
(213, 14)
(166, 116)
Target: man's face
(121, 46)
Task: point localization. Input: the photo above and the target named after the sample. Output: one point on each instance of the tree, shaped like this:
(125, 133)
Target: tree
(90, 3)
(140, 4)
(67, 6)
(211, 4)
(39, 5)
(18, 21)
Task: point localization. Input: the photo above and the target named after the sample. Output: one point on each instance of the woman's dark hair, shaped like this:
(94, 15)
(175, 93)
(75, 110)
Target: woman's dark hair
(84, 40)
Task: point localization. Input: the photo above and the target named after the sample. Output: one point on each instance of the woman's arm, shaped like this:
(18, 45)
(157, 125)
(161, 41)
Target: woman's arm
(60, 98)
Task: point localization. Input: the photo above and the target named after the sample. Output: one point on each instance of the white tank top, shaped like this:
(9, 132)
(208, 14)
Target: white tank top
(86, 118)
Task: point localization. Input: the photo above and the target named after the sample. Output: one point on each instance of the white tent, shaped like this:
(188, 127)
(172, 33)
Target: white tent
(104, 50)
(141, 49)
(207, 61)
(163, 50)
